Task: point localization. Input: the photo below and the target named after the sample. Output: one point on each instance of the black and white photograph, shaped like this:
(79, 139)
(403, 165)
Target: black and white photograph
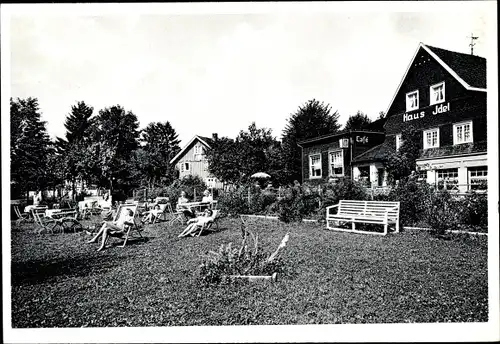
(250, 172)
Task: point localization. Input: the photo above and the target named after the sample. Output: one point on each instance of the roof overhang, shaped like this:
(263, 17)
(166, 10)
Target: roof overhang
(183, 150)
(442, 63)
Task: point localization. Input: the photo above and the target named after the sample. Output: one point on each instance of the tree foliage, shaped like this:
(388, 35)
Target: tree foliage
(115, 137)
(160, 144)
(73, 150)
(357, 121)
(30, 145)
(312, 119)
(234, 161)
(402, 162)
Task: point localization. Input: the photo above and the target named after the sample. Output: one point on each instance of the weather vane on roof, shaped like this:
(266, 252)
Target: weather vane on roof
(472, 44)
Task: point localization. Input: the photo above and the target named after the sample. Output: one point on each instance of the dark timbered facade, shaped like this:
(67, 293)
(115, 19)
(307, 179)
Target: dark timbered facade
(443, 96)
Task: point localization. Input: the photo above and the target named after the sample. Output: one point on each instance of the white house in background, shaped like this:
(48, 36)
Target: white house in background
(191, 160)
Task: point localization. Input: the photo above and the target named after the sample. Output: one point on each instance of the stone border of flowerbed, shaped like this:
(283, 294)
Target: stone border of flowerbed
(453, 232)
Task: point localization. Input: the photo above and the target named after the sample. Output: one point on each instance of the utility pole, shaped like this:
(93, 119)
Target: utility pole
(472, 44)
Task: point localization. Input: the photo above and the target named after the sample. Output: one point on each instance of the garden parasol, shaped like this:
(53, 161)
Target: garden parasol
(262, 175)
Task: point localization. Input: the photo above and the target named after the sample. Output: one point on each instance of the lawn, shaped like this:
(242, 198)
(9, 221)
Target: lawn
(331, 277)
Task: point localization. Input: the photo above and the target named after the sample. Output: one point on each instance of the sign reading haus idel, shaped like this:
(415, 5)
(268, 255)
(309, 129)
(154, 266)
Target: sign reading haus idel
(437, 109)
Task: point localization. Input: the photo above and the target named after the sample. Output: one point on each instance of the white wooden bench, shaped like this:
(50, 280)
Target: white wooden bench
(374, 212)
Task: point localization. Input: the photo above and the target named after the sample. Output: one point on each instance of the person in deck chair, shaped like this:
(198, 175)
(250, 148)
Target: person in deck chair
(197, 223)
(150, 215)
(113, 228)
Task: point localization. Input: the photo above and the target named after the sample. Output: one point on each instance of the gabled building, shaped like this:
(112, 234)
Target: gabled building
(191, 160)
(443, 95)
(329, 156)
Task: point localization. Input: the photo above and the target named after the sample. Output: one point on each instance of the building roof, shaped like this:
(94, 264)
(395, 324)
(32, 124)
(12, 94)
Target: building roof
(468, 70)
(377, 153)
(206, 141)
(447, 151)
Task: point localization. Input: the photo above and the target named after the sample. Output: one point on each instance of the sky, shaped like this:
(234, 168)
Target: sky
(215, 69)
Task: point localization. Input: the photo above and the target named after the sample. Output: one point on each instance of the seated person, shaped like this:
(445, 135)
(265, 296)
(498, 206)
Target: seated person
(207, 198)
(197, 223)
(181, 206)
(114, 228)
(182, 199)
(150, 215)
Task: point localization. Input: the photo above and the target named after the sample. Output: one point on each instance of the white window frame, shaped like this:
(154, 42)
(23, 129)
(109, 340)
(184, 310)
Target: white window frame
(472, 178)
(198, 152)
(331, 164)
(187, 166)
(311, 176)
(426, 145)
(399, 141)
(417, 103)
(451, 183)
(455, 132)
(432, 93)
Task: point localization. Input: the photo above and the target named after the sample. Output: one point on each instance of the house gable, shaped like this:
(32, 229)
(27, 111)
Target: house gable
(189, 146)
(462, 74)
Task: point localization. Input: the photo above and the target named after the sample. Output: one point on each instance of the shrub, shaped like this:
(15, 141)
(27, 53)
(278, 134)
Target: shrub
(442, 216)
(246, 260)
(296, 205)
(190, 183)
(234, 202)
(474, 210)
(415, 201)
(344, 188)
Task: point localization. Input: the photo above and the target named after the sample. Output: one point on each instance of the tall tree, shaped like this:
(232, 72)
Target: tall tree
(312, 119)
(114, 137)
(254, 146)
(30, 145)
(160, 144)
(253, 150)
(73, 148)
(224, 160)
(357, 121)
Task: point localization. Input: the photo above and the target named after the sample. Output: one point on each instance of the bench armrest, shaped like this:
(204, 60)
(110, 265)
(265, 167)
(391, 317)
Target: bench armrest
(331, 207)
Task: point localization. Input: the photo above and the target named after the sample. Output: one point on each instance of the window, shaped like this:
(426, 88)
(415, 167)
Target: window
(398, 141)
(462, 133)
(198, 153)
(315, 166)
(411, 101)
(447, 179)
(437, 93)
(186, 166)
(431, 138)
(421, 175)
(336, 163)
(478, 178)
(344, 143)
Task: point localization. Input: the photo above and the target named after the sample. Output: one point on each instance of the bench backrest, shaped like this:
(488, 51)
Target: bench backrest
(369, 208)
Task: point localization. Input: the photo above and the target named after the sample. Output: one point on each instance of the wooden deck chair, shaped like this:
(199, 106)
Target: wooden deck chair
(130, 229)
(177, 215)
(165, 212)
(197, 229)
(209, 226)
(22, 217)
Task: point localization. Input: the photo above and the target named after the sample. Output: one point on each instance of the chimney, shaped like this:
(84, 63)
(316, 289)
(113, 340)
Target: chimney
(215, 136)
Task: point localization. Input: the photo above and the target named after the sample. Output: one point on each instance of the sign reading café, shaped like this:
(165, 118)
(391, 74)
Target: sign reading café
(437, 109)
